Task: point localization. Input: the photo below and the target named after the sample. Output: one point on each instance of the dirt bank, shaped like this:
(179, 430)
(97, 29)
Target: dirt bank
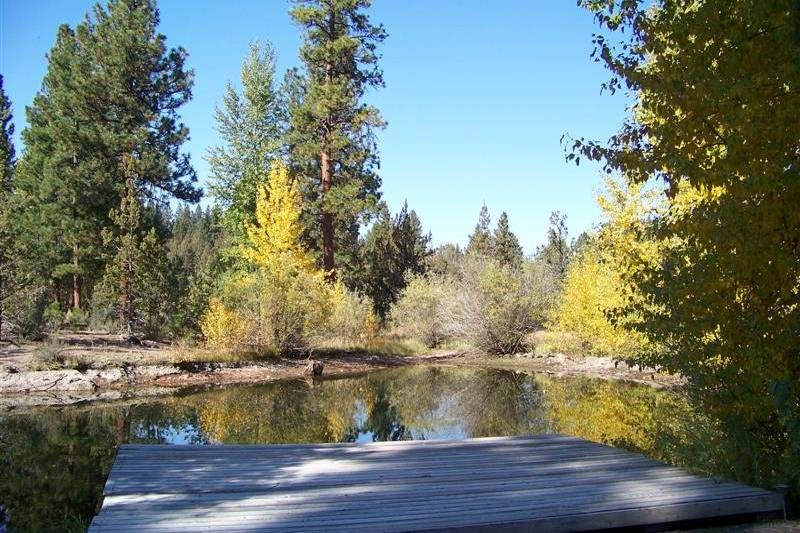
(111, 370)
(566, 365)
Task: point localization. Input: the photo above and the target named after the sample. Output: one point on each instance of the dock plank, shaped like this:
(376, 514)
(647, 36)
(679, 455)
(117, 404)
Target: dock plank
(549, 482)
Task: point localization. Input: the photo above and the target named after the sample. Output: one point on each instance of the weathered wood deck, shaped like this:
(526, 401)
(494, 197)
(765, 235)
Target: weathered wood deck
(543, 483)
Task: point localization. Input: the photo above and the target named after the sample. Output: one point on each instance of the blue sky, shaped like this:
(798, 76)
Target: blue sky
(477, 96)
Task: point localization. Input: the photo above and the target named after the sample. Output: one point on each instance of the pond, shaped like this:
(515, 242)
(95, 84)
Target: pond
(54, 461)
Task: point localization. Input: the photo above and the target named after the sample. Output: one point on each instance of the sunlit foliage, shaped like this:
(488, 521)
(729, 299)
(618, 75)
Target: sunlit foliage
(593, 289)
(281, 303)
(496, 306)
(716, 89)
(222, 327)
(252, 124)
(420, 313)
(274, 240)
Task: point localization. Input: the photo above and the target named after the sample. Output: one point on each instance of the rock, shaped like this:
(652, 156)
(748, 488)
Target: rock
(45, 380)
(315, 367)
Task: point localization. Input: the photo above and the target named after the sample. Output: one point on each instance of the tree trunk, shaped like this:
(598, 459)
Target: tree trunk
(2, 292)
(76, 287)
(327, 217)
(326, 168)
(76, 283)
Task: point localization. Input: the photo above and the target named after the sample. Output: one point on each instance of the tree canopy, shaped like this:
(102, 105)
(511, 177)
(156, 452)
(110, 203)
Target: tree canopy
(332, 140)
(716, 90)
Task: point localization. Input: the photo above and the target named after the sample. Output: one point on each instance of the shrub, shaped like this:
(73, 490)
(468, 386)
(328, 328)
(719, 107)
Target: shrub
(53, 316)
(222, 327)
(23, 313)
(592, 289)
(52, 355)
(76, 319)
(419, 312)
(285, 311)
(352, 318)
(269, 311)
(49, 356)
(102, 315)
(495, 306)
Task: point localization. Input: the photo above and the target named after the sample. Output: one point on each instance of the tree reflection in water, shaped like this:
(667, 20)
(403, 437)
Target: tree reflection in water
(55, 460)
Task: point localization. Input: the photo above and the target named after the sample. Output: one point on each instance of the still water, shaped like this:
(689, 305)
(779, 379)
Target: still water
(54, 461)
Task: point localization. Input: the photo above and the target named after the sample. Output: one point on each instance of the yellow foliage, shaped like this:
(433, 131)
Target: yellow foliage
(595, 284)
(591, 289)
(284, 304)
(352, 319)
(275, 238)
(222, 327)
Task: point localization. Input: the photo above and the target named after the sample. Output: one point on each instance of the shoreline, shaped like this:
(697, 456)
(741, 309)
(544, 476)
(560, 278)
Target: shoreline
(42, 388)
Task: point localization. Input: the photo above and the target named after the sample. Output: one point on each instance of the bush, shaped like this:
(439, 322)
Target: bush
(49, 356)
(352, 319)
(52, 355)
(23, 313)
(495, 306)
(102, 315)
(419, 311)
(222, 327)
(53, 316)
(593, 289)
(76, 319)
(268, 312)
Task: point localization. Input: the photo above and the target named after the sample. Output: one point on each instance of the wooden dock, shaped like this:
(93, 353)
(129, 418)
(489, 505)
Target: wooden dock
(543, 483)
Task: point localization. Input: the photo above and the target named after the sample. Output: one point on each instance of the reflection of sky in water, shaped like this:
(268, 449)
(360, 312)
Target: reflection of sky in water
(421, 403)
(184, 434)
(441, 405)
(440, 423)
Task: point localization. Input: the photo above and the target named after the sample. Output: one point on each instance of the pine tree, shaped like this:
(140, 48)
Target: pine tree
(124, 243)
(24, 286)
(56, 180)
(7, 153)
(112, 90)
(252, 125)
(7, 267)
(378, 256)
(481, 241)
(413, 245)
(137, 276)
(393, 249)
(506, 245)
(332, 138)
(194, 249)
(556, 252)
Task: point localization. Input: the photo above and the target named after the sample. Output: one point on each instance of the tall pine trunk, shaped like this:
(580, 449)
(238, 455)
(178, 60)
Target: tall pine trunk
(2, 291)
(326, 169)
(76, 281)
(327, 217)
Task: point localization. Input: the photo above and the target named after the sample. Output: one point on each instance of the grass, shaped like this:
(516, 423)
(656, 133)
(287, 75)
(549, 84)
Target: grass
(53, 355)
(188, 352)
(380, 345)
(57, 353)
(547, 342)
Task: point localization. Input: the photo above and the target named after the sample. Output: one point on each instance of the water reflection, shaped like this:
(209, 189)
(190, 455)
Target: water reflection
(54, 462)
